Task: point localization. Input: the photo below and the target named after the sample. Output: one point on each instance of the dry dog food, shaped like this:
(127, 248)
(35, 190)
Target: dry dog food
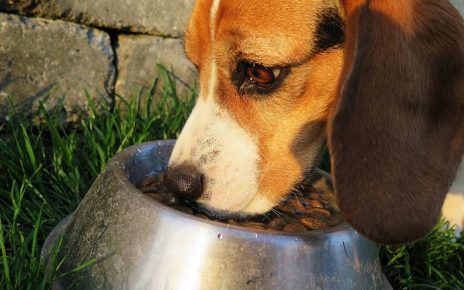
(311, 207)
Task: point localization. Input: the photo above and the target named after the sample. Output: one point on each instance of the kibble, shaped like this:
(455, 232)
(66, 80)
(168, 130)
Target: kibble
(277, 223)
(317, 212)
(286, 208)
(314, 223)
(316, 204)
(309, 208)
(294, 228)
(298, 205)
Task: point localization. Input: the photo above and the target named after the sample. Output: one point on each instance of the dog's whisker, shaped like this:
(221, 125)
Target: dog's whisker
(278, 214)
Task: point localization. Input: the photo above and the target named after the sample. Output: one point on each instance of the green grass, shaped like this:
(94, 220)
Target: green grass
(435, 262)
(46, 169)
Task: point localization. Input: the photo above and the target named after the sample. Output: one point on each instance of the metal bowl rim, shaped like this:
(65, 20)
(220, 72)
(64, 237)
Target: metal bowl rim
(121, 158)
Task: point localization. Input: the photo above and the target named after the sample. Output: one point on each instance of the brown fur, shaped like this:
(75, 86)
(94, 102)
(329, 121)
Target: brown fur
(306, 96)
(397, 135)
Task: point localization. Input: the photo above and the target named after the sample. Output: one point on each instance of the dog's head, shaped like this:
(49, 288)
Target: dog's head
(385, 79)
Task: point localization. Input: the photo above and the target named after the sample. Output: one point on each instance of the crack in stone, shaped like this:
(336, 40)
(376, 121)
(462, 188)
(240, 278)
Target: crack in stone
(114, 40)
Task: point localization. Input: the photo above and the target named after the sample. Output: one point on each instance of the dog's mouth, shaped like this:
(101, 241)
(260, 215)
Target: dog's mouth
(304, 185)
(306, 207)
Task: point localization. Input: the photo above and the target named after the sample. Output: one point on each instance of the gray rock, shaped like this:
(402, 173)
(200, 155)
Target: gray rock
(138, 57)
(43, 59)
(159, 17)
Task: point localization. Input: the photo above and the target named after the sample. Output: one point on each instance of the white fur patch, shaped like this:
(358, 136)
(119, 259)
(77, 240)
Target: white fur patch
(212, 17)
(453, 208)
(258, 204)
(222, 150)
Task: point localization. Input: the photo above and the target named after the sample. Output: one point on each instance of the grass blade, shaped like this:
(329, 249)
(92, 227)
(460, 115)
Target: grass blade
(77, 269)
(6, 268)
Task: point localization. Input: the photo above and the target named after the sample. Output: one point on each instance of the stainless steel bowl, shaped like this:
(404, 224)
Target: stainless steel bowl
(139, 243)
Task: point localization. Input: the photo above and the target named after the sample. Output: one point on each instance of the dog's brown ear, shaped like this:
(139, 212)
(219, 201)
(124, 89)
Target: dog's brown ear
(396, 135)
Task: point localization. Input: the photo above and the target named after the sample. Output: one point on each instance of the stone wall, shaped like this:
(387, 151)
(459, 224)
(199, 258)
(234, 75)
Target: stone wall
(50, 49)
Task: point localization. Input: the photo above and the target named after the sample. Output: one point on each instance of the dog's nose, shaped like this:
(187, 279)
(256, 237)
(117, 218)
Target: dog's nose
(185, 180)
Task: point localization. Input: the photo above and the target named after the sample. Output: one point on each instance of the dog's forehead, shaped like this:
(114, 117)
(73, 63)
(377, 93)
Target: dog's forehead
(261, 16)
(270, 32)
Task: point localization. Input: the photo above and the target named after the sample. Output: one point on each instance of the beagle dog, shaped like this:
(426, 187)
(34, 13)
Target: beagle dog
(380, 82)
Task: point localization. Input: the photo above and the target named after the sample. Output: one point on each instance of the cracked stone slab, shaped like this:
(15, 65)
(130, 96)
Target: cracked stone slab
(138, 57)
(45, 60)
(159, 17)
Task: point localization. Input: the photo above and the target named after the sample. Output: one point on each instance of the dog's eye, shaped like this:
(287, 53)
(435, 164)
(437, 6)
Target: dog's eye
(262, 76)
(254, 79)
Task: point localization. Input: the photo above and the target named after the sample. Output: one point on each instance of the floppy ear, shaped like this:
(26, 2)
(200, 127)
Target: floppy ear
(396, 135)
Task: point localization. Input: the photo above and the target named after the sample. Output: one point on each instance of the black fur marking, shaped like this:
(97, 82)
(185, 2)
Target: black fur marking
(330, 31)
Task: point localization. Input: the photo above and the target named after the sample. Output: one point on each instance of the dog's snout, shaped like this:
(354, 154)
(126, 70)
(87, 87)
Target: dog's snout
(185, 180)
